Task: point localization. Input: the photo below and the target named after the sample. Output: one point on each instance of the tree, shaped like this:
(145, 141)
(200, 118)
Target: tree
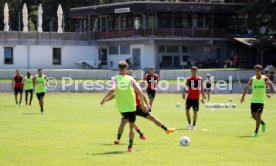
(261, 16)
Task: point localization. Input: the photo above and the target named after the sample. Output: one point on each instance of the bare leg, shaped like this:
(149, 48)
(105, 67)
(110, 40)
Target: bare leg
(195, 117)
(188, 116)
(131, 134)
(20, 99)
(208, 95)
(258, 121)
(16, 100)
(31, 98)
(26, 97)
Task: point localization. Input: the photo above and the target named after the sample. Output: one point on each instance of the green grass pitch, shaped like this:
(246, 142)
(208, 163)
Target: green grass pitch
(76, 131)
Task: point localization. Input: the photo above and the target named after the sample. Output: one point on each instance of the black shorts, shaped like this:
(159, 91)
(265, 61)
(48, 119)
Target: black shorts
(151, 93)
(29, 91)
(39, 95)
(130, 116)
(257, 107)
(192, 103)
(18, 90)
(140, 112)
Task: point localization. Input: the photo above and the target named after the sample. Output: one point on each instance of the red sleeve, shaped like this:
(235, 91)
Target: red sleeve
(250, 82)
(267, 81)
(146, 77)
(187, 81)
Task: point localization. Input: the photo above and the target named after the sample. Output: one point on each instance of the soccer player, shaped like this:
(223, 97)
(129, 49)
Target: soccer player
(194, 84)
(28, 87)
(139, 112)
(124, 87)
(259, 84)
(40, 81)
(152, 80)
(17, 85)
(208, 86)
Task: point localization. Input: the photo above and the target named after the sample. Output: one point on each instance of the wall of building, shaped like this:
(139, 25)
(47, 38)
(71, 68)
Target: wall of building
(41, 56)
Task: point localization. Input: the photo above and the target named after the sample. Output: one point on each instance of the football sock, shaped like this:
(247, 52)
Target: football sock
(164, 127)
(119, 136)
(257, 130)
(139, 132)
(194, 123)
(130, 143)
(262, 122)
(189, 121)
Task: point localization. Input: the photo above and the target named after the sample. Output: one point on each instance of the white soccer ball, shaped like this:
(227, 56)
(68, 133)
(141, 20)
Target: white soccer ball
(185, 141)
(227, 105)
(178, 105)
(230, 100)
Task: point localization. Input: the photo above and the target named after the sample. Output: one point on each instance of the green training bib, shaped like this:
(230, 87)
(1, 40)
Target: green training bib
(40, 84)
(28, 83)
(258, 90)
(125, 95)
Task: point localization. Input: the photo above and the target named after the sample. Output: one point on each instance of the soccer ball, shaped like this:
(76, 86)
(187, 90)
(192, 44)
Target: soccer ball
(230, 100)
(227, 105)
(178, 105)
(234, 105)
(185, 141)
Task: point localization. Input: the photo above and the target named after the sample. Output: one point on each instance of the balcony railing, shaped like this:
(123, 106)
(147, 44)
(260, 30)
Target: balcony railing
(188, 33)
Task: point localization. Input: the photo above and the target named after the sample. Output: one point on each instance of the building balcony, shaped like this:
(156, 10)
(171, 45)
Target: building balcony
(163, 33)
(45, 38)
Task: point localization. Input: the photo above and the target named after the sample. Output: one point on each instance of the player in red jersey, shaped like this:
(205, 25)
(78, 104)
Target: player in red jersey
(194, 85)
(152, 80)
(17, 85)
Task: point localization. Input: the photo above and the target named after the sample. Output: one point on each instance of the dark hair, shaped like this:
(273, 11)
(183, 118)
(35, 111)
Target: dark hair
(28, 73)
(39, 70)
(194, 67)
(258, 67)
(122, 65)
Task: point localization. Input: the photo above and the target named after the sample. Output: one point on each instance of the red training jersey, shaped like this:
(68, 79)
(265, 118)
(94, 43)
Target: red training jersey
(194, 85)
(152, 80)
(138, 102)
(18, 79)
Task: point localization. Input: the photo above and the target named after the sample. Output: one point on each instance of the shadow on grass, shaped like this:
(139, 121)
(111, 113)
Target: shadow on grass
(31, 113)
(114, 144)
(181, 129)
(108, 153)
(245, 136)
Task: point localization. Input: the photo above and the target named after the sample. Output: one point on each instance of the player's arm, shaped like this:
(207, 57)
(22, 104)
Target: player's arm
(270, 87)
(246, 90)
(109, 98)
(110, 92)
(202, 91)
(185, 87)
(12, 83)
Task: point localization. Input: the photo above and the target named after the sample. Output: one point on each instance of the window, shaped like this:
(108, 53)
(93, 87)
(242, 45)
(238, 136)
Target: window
(8, 55)
(113, 50)
(172, 49)
(164, 20)
(56, 56)
(162, 49)
(127, 21)
(124, 49)
(200, 19)
(113, 22)
(185, 49)
(182, 21)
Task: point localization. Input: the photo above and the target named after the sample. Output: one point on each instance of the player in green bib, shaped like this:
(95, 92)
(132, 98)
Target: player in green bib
(28, 87)
(40, 81)
(124, 87)
(259, 84)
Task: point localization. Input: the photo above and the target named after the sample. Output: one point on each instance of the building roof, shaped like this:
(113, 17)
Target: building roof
(145, 6)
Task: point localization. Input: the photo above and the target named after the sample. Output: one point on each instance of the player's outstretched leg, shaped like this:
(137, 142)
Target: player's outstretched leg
(142, 135)
(160, 124)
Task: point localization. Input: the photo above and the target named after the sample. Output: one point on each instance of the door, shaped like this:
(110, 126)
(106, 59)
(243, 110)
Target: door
(103, 56)
(136, 56)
